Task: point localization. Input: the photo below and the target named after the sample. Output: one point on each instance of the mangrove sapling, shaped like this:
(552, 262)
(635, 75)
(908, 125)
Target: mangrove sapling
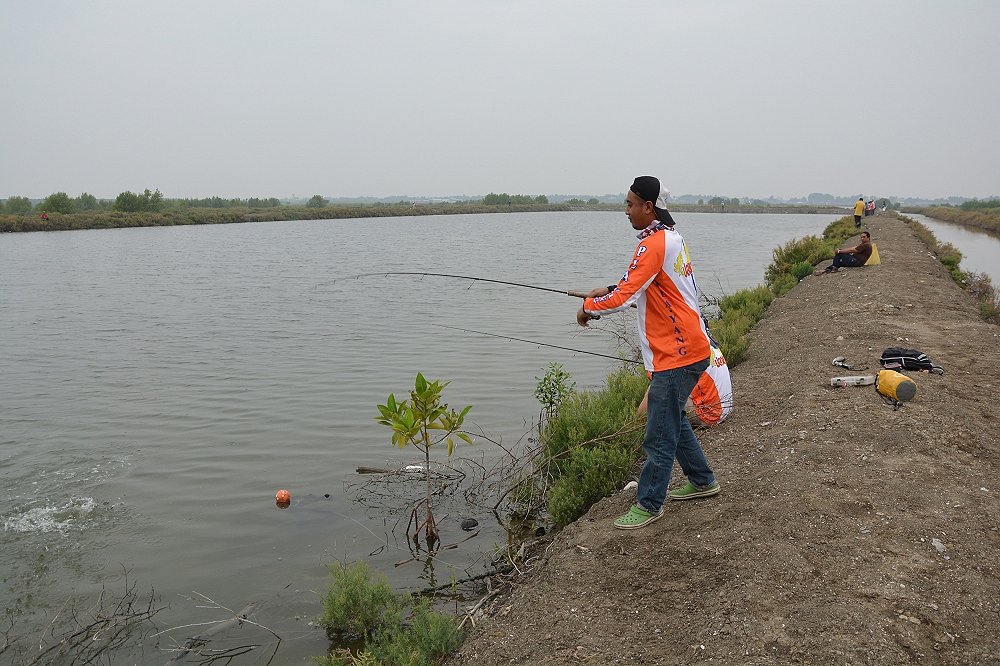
(552, 388)
(412, 422)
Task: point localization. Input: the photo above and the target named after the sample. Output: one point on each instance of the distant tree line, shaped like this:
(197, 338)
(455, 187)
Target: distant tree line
(220, 202)
(505, 199)
(127, 202)
(59, 202)
(976, 204)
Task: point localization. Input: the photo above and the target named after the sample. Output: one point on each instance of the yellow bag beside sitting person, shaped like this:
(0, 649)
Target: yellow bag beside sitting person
(874, 260)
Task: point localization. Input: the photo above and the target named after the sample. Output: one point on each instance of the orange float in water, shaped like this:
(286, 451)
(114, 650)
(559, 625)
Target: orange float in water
(283, 496)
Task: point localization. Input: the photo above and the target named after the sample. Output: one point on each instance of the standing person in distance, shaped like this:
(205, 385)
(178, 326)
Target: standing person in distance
(675, 349)
(859, 210)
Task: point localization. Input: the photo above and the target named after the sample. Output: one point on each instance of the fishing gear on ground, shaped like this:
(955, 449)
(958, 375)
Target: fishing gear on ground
(852, 380)
(841, 362)
(895, 388)
(900, 358)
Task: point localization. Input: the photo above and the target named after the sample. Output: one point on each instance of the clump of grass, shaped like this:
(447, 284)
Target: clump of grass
(358, 603)
(588, 475)
(360, 607)
(792, 255)
(981, 288)
(950, 256)
(738, 313)
(590, 445)
(425, 641)
(591, 416)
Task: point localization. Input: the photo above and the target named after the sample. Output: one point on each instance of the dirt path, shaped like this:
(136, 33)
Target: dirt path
(846, 532)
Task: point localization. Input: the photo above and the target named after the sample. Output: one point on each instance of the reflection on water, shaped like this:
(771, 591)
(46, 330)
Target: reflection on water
(157, 386)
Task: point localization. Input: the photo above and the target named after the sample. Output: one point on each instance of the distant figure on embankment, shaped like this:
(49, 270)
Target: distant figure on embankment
(859, 210)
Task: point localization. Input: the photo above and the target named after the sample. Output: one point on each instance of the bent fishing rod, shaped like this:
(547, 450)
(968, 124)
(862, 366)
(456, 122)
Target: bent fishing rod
(578, 294)
(541, 344)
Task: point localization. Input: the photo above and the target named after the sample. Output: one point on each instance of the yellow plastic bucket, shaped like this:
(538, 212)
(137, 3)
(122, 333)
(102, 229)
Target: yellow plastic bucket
(895, 385)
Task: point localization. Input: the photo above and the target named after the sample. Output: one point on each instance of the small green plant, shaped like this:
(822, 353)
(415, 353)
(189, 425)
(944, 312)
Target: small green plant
(590, 444)
(786, 257)
(358, 604)
(588, 475)
(425, 641)
(347, 658)
(423, 421)
(553, 388)
(802, 269)
(361, 607)
(950, 256)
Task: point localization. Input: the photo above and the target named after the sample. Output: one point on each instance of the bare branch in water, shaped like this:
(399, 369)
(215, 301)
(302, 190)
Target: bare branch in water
(199, 644)
(77, 635)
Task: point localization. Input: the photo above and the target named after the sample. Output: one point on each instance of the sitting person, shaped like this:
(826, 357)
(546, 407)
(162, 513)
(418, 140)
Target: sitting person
(852, 256)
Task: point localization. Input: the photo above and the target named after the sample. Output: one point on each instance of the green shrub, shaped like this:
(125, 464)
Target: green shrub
(553, 388)
(802, 269)
(950, 256)
(839, 230)
(738, 313)
(589, 474)
(361, 606)
(809, 249)
(750, 302)
(358, 603)
(591, 443)
(347, 658)
(427, 639)
(784, 284)
(592, 415)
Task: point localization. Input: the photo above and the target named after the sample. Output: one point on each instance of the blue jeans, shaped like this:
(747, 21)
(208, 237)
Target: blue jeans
(669, 435)
(844, 261)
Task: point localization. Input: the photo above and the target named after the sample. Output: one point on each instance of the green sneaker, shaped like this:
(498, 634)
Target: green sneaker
(691, 491)
(637, 517)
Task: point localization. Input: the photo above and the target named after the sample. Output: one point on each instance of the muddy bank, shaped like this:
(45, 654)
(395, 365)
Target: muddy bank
(846, 532)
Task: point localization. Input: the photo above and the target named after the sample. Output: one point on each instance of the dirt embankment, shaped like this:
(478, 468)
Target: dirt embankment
(846, 532)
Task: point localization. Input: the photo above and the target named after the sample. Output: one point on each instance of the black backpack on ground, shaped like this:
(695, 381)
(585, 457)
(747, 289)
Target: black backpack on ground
(899, 358)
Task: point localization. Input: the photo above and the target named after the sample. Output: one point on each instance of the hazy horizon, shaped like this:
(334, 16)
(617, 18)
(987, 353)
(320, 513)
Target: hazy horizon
(354, 100)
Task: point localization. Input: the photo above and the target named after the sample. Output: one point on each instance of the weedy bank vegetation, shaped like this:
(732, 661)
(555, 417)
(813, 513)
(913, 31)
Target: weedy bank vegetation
(978, 214)
(186, 216)
(979, 285)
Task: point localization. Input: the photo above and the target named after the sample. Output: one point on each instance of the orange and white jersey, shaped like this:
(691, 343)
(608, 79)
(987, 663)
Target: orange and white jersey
(660, 281)
(712, 398)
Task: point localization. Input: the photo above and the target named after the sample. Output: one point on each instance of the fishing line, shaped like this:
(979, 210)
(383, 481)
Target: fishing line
(474, 279)
(542, 344)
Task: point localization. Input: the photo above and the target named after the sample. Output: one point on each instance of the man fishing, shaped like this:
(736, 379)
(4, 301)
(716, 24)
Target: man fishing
(675, 349)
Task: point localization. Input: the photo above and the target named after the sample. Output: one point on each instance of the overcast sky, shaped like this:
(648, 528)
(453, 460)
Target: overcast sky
(378, 98)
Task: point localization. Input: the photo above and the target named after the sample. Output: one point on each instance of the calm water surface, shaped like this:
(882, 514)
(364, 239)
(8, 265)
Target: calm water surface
(157, 386)
(980, 250)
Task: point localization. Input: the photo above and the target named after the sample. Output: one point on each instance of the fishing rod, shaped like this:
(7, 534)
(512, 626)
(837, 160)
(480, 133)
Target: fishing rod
(542, 344)
(578, 294)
